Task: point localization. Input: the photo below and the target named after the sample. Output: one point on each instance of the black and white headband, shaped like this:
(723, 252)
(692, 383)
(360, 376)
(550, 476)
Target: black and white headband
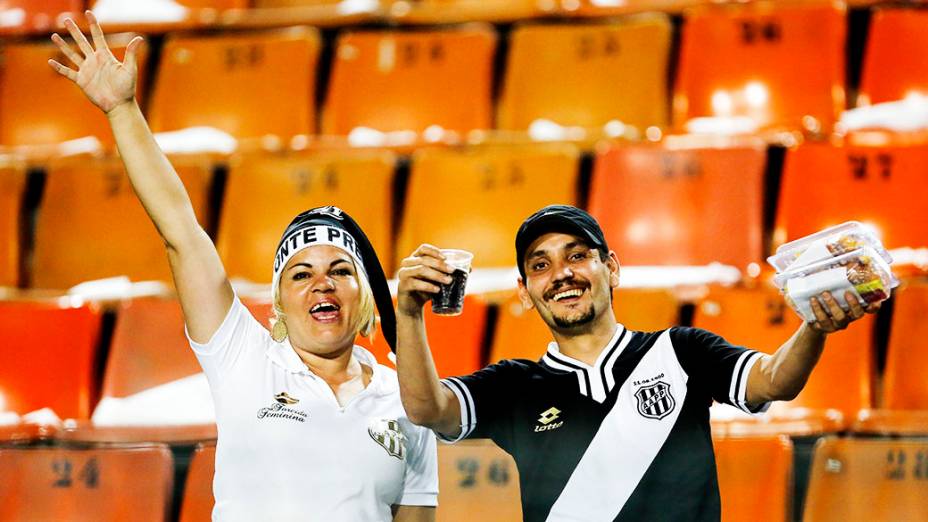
(332, 226)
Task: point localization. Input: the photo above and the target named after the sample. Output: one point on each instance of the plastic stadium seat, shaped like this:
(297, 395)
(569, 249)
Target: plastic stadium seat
(661, 205)
(265, 191)
(91, 225)
(12, 185)
(521, 334)
(77, 485)
(410, 81)
(904, 383)
(892, 69)
(907, 423)
(197, 505)
(37, 15)
(38, 106)
(246, 84)
(760, 319)
(755, 477)
(48, 357)
(456, 342)
(857, 480)
(777, 64)
(458, 11)
(825, 185)
(478, 481)
(148, 350)
(202, 4)
(587, 75)
(476, 198)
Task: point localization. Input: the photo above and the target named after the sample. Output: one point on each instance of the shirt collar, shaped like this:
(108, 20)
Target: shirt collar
(284, 355)
(555, 352)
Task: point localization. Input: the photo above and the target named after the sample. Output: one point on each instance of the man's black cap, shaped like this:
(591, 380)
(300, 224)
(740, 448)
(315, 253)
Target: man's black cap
(558, 218)
(336, 217)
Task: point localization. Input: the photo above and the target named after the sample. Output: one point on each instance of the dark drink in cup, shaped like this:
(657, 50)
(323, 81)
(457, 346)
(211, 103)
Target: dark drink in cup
(450, 299)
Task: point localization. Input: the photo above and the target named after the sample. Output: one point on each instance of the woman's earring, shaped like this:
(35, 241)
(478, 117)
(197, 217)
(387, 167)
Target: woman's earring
(279, 330)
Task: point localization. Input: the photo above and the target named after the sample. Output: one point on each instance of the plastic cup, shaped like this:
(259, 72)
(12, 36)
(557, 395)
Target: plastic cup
(450, 298)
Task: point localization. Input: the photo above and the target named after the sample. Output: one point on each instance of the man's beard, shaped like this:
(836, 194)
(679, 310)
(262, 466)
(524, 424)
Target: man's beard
(566, 323)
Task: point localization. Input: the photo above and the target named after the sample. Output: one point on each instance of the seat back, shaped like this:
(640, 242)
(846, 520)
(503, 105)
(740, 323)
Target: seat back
(401, 80)
(475, 199)
(660, 205)
(12, 187)
(761, 320)
(99, 485)
(755, 477)
(197, 504)
(248, 85)
(858, 479)
(891, 70)
(819, 181)
(38, 106)
(48, 357)
(904, 383)
(587, 75)
(91, 224)
(733, 63)
(39, 15)
(264, 192)
(478, 481)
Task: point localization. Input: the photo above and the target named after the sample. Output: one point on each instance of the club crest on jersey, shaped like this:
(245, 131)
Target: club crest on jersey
(387, 433)
(655, 400)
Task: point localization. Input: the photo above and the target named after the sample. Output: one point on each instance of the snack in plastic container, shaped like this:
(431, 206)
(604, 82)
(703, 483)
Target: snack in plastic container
(863, 272)
(831, 242)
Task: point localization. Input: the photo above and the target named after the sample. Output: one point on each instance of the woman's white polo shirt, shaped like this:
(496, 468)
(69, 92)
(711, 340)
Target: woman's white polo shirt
(288, 451)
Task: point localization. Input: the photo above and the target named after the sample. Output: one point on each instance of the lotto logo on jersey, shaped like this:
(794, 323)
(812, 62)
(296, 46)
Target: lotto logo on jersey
(655, 400)
(547, 418)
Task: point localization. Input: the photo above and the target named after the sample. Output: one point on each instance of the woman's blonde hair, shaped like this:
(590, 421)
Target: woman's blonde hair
(365, 320)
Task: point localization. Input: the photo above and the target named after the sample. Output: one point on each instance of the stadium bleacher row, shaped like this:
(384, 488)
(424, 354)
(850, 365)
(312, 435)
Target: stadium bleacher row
(696, 133)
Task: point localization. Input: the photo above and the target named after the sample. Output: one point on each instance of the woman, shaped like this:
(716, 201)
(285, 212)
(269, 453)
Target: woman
(310, 426)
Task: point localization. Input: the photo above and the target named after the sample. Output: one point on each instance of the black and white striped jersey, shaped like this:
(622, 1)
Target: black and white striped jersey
(625, 439)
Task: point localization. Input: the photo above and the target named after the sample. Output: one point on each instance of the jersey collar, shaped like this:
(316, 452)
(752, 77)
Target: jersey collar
(284, 355)
(594, 381)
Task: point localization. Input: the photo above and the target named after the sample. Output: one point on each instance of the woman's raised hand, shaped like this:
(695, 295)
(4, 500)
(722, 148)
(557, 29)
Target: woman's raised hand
(106, 82)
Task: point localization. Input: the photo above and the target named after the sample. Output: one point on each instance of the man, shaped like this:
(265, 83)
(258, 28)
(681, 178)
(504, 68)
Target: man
(610, 424)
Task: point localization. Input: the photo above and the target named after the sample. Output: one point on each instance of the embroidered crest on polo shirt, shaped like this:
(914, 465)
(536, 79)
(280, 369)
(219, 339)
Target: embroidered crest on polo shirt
(387, 433)
(547, 418)
(655, 400)
(280, 409)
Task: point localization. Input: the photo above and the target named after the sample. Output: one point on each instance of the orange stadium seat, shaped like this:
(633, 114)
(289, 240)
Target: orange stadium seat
(246, 84)
(893, 67)
(90, 224)
(587, 75)
(99, 485)
(782, 65)
(456, 342)
(755, 477)
(148, 349)
(37, 15)
(760, 319)
(661, 205)
(48, 357)
(38, 106)
(410, 81)
(476, 198)
(521, 334)
(265, 191)
(904, 383)
(862, 480)
(12, 185)
(201, 4)
(824, 185)
(479, 481)
(197, 504)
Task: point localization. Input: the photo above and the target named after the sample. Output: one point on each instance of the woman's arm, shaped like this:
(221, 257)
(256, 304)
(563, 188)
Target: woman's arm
(413, 514)
(202, 286)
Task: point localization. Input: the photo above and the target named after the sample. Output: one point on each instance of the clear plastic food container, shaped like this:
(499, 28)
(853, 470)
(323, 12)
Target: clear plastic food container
(864, 272)
(831, 242)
